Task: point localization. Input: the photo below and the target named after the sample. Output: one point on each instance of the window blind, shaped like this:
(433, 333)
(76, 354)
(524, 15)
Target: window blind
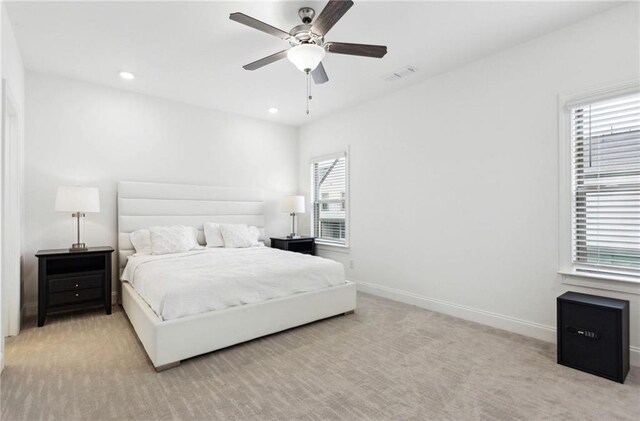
(329, 186)
(605, 137)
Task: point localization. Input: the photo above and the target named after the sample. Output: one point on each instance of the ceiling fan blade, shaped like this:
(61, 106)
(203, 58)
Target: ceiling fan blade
(259, 25)
(365, 50)
(332, 13)
(266, 60)
(319, 75)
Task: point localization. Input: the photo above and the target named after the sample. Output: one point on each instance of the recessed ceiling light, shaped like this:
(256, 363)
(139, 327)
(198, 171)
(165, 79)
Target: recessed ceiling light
(273, 110)
(127, 75)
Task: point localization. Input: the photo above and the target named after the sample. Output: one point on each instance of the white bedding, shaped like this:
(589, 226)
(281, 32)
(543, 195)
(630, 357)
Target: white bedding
(184, 284)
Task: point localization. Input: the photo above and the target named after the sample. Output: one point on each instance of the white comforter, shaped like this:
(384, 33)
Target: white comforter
(184, 284)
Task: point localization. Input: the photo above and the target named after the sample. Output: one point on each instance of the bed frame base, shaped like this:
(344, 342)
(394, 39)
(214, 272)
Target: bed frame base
(167, 366)
(169, 342)
(346, 313)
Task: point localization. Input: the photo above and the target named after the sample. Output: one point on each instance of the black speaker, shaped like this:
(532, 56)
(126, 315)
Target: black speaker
(593, 334)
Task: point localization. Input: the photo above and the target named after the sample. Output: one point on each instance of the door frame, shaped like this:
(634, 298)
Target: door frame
(11, 248)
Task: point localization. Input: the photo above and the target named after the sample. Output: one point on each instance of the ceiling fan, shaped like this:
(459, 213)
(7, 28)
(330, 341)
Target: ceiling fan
(308, 47)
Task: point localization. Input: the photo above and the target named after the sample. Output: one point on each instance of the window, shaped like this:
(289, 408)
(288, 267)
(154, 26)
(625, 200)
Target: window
(605, 186)
(329, 196)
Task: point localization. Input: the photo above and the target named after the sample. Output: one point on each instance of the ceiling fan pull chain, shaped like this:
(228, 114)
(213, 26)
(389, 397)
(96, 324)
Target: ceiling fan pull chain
(308, 90)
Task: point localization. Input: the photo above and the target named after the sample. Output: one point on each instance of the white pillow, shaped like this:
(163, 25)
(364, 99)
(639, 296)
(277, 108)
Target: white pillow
(255, 235)
(236, 235)
(141, 240)
(194, 239)
(175, 239)
(212, 235)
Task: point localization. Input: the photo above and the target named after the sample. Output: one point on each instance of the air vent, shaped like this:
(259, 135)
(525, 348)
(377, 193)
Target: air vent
(400, 73)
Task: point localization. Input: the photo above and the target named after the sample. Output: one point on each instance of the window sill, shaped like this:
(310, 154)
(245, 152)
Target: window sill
(600, 281)
(332, 247)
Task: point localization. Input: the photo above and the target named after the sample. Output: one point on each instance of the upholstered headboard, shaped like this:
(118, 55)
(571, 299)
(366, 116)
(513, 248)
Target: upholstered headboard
(141, 205)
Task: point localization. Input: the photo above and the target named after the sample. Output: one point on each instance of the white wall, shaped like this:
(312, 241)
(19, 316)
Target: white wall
(13, 74)
(12, 66)
(2, 12)
(79, 133)
(454, 181)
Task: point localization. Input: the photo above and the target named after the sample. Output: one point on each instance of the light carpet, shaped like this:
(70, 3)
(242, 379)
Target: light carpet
(387, 361)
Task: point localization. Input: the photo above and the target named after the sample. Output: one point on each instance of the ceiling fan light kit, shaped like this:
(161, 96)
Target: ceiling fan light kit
(308, 47)
(306, 57)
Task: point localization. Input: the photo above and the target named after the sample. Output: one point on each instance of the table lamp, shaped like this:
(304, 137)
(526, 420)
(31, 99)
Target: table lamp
(78, 200)
(293, 205)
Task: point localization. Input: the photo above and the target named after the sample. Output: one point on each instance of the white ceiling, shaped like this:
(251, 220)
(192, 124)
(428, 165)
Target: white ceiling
(192, 52)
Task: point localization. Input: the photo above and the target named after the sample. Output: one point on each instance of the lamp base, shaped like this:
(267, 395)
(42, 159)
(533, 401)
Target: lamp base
(78, 247)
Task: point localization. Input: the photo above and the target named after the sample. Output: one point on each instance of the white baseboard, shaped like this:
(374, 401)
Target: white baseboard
(31, 309)
(500, 321)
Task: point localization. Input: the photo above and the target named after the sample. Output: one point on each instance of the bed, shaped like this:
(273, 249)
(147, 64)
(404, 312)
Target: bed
(259, 291)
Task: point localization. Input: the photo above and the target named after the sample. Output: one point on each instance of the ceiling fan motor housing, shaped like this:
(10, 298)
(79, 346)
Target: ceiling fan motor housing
(302, 34)
(306, 14)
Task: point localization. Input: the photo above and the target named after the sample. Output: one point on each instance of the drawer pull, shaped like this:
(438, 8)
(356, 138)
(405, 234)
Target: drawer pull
(76, 295)
(76, 285)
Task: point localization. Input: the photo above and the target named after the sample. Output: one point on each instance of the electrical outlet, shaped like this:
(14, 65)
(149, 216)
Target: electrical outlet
(351, 264)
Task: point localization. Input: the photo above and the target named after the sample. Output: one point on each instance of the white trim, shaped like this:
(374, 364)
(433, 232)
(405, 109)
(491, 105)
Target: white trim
(585, 96)
(11, 212)
(565, 102)
(512, 324)
(499, 321)
(336, 155)
(598, 281)
(334, 248)
(347, 200)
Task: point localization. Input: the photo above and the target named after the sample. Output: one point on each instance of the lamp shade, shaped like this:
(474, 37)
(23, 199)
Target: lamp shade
(306, 57)
(78, 199)
(293, 204)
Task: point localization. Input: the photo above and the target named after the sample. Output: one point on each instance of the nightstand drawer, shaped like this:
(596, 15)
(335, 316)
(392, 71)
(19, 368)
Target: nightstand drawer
(76, 282)
(305, 245)
(71, 297)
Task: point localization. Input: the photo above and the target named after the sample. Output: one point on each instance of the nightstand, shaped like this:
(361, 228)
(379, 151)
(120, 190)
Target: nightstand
(73, 280)
(306, 245)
